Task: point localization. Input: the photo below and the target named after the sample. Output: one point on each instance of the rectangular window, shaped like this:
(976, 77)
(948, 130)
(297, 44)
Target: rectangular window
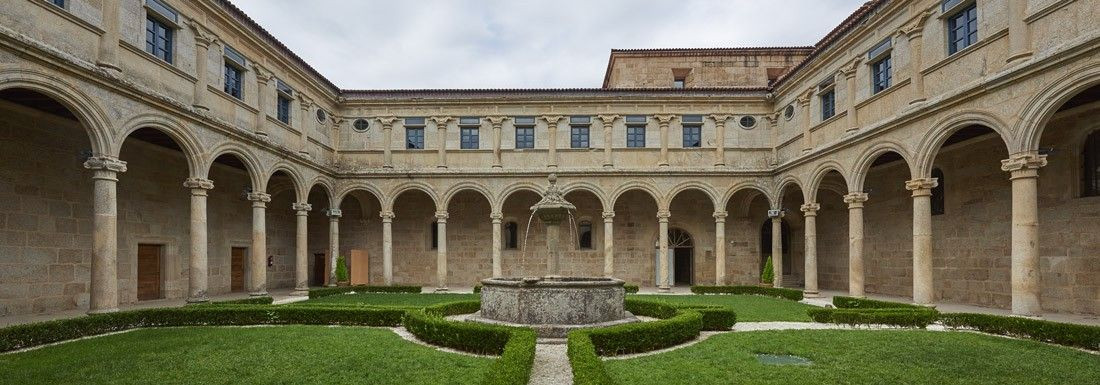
(635, 136)
(414, 138)
(59, 3)
(880, 75)
(578, 137)
(678, 83)
(163, 10)
(962, 29)
(693, 136)
(525, 136)
(283, 108)
(159, 38)
(469, 138)
(233, 76)
(828, 104)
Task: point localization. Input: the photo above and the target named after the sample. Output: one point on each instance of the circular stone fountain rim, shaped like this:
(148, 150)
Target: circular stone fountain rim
(554, 282)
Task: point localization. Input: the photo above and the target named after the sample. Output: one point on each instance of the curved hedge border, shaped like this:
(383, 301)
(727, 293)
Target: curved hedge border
(1080, 336)
(791, 294)
(843, 302)
(35, 334)
(919, 318)
(516, 346)
(327, 291)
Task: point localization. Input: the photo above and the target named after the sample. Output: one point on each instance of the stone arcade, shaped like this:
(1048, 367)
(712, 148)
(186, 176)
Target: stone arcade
(895, 156)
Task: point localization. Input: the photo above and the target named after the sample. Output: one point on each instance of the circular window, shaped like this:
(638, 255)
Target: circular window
(788, 112)
(748, 122)
(361, 125)
(321, 115)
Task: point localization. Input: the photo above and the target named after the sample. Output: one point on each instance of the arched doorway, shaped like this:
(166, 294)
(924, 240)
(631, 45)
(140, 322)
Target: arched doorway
(766, 245)
(681, 264)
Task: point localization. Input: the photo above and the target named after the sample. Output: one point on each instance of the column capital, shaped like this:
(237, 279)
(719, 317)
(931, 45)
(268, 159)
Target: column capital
(259, 197)
(849, 69)
(663, 215)
(720, 119)
(305, 102)
(263, 75)
(1024, 165)
(776, 214)
(301, 208)
(855, 199)
(387, 216)
(915, 29)
(441, 121)
(496, 120)
(608, 119)
(386, 121)
(720, 216)
(334, 213)
(496, 217)
(105, 163)
(810, 209)
(552, 120)
(203, 36)
(608, 215)
(921, 184)
(664, 119)
(441, 216)
(201, 184)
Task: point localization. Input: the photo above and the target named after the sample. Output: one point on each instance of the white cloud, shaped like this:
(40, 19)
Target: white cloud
(521, 43)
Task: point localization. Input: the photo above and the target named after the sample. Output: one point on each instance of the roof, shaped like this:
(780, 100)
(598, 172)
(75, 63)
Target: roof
(853, 20)
(546, 92)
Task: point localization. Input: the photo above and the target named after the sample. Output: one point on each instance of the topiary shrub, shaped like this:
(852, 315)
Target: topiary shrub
(791, 294)
(1080, 336)
(327, 291)
(843, 302)
(768, 275)
(630, 289)
(341, 269)
(919, 318)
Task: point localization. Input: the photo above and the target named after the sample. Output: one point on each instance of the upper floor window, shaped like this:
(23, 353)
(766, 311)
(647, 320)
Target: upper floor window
(939, 201)
(693, 130)
(414, 133)
(1090, 166)
(635, 131)
(828, 104)
(159, 31)
(679, 82)
(282, 102)
(879, 57)
(525, 131)
(59, 3)
(235, 65)
(578, 133)
(511, 235)
(469, 133)
(962, 27)
(584, 235)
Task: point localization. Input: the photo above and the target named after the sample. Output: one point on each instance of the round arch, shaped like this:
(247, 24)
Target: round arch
(413, 185)
(1038, 111)
(339, 196)
(183, 137)
(300, 192)
(818, 177)
(751, 185)
(942, 130)
(251, 164)
(588, 187)
(514, 188)
(781, 188)
(330, 191)
(640, 186)
(92, 117)
(867, 158)
(468, 186)
(693, 185)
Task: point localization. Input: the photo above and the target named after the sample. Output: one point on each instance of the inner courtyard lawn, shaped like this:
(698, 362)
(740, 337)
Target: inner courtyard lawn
(252, 355)
(862, 357)
(393, 299)
(749, 308)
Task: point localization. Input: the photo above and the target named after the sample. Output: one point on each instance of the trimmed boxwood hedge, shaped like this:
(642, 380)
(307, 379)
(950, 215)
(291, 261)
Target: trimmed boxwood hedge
(715, 318)
(646, 336)
(630, 289)
(896, 317)
(587, 367)
(647, 308)
(265, 300)
(516, 346)
(843, 302)
(327, 291)
(1080, 336)
(791, 294)
(29, 335)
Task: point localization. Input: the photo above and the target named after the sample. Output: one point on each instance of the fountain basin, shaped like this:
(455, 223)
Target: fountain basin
(553, 305)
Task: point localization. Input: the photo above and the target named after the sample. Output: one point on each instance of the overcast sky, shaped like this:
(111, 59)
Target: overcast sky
(521, 43)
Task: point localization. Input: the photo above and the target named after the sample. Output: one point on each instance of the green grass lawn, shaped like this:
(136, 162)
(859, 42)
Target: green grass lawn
(862, 357)
(749, 308)
(260, 355)
(393, 299)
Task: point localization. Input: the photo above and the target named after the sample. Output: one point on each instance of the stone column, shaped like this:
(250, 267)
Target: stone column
(807, 133)
(663, 285)
(552, 137)
(301, 248)
(855, 243)
(441, 251)
(777, 249)
(608, 122)
(387, 140)
(197, 275)
(333, 243)
(108, 41)
(922, 238)
(496, 218)
(203, 39)
(498, 123)
(809, 215)
(915, 33)
(849, 72)
(263, 79)
(387, 247)
(720, 248)
(441, 133)
(720, 139)
(304, 119)
(104, 280)
(1019, 36)
(258, 273)
(663, 122)
(608, 243)
(1026, 290)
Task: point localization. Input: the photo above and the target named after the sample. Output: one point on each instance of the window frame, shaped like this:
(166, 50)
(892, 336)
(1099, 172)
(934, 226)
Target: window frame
(827, 98)
(956, 12)
(581, 235)
(63, 4)
(635, 135)
(283, 108)
(881, 74)
(511, 235)
(234, 62)
(524, 127)
(692, 130)
(469, 137)
(153, 26)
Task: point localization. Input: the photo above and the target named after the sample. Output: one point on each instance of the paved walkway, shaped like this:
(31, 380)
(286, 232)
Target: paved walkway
(551, 365)
(827, 298)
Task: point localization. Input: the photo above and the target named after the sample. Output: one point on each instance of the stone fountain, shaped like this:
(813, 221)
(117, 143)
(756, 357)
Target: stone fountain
(553, 304)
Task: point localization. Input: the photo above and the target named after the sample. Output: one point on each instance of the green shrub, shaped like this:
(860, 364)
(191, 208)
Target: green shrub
(768, 275)
(453, 308)
(587, 367)
(1080, 336)
(791, 294)
(896, 317)
(341, 269)
(516, 346)
(647, 336)
(265, 300)
(514, 365)
(28, 335)
(630, 289)
(842, 302)
(647, 308)
(477, 289)
(715, 318)
(327, 291)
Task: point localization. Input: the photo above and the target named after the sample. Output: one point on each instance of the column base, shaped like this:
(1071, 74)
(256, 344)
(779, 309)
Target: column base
(443, 289)
(719, 165)
(1027, 316)
(1018, 57)
(202, 299)
(928, 305)
(917, 100)
(387, 166)
(300, 292)
(110, 67)
(258, 294)
(103, 311)
(498, 166)
(441, 166)
(200, 107)
(811, 294)
(664, 289)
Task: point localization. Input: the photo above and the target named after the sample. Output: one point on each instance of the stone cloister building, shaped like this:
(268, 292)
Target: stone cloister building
(945, 151)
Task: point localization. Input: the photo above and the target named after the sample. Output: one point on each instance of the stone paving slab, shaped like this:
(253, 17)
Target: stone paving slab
(551, 366)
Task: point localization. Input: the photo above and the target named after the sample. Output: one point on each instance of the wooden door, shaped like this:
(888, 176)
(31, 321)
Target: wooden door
(149, 272)
(320, 270)
(236, 269)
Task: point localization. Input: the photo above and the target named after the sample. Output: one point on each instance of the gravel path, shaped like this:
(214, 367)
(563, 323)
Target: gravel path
(551, 366)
